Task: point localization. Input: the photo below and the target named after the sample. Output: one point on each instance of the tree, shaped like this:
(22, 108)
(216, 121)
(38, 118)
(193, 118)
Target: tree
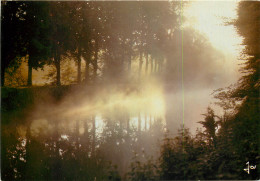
(210, 125)
(247, 26)
(59, 34)
(245, 117)
(15, 77)
(81, 33)
(35, 35)
(11, 38)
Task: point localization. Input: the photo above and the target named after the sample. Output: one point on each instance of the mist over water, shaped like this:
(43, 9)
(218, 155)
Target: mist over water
(128, 120)
(123, 121)
(116, 102)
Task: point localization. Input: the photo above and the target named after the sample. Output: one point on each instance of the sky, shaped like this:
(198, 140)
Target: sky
(207, 18)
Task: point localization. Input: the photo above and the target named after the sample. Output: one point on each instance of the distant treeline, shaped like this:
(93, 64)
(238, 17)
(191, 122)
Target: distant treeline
(117, 32)
(89, 42)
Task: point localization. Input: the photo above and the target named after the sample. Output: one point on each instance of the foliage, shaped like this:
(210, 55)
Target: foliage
(210, 126)
(142, 170)
(12, 44)
(244, 122)
(68, 73)
(50, 30)
(15, 77)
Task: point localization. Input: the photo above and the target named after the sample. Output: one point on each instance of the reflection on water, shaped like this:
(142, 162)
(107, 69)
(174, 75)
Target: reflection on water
(135, 110)
(39, 127)
(117, 125)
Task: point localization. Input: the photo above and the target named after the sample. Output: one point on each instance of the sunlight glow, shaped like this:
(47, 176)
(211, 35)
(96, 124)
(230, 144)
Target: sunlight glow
(149, 101)
(209, 17)
(142, 107)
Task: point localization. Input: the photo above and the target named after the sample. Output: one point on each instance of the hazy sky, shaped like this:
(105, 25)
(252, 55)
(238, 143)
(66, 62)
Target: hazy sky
(207, 18)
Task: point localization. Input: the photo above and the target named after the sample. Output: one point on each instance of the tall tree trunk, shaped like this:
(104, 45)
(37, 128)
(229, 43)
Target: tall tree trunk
(57, 65)
(95, 66)
(2, 75)
(152, 65)
(140, 65)
(79, 65)
(87, 61)
(146, 63)
(160, 63)
(129, 64)
(29, 80)
(87, 71)
(159, 66)
(155, 65)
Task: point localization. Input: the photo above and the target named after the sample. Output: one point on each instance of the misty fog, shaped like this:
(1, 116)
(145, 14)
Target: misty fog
(102, 85)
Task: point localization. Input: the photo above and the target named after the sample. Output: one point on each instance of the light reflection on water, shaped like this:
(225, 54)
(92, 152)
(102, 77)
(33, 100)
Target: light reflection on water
(129, 111)
(118, 124)
(45, 127)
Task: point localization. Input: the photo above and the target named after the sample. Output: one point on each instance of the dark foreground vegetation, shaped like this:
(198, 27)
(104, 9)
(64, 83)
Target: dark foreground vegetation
(39, 143)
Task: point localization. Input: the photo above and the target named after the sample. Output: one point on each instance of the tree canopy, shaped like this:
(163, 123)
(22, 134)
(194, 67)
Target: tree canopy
(103, 34)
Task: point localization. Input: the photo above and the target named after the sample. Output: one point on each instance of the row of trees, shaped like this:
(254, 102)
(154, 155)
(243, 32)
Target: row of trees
(117, 32)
